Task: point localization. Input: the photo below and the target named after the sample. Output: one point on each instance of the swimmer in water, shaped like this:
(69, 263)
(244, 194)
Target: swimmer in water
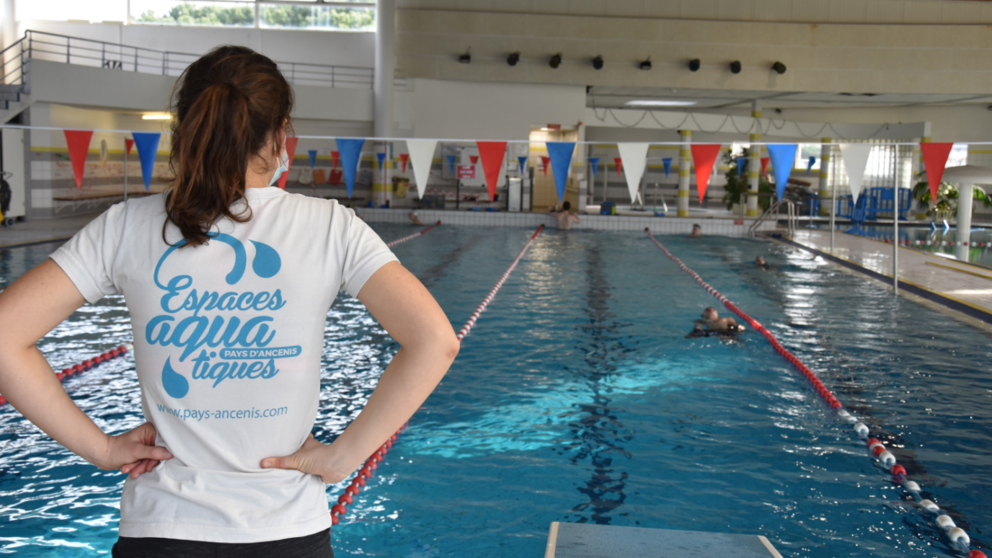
(762, 264)
(414, 219)
(696, 231)
(712, 325)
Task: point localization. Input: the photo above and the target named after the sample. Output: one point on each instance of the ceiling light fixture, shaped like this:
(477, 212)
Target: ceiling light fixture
(597, 63)
(735, 67)
(156, 116)
(555, 60)
(694, 65)
(659, 103)
(646, 65)
(466, 58)
(513, 59)
(779, 67)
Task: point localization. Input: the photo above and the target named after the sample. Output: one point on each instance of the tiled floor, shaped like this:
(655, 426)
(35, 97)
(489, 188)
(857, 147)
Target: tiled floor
(959, 282)
(41, 230)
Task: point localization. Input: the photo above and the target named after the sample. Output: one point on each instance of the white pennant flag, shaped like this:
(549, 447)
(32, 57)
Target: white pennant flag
(855, 160)
(633, 156)
(421, 157)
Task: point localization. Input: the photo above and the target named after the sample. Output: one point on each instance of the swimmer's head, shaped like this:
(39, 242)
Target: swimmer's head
(710, 314)
(759, 260)
(566, 206)
(696, 229)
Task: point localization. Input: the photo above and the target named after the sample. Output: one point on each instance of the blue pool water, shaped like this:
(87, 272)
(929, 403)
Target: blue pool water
(577, 398)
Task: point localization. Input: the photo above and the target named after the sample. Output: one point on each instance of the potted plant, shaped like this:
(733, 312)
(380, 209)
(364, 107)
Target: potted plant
(737, 185)
(947, 199)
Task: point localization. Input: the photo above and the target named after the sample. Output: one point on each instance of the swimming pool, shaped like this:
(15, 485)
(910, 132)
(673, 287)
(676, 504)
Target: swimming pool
(577, 398)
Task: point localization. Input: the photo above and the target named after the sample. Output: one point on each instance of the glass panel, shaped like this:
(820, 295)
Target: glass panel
(166, 12)
(344, 18)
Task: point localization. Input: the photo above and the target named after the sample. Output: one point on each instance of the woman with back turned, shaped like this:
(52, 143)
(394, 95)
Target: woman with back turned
(228, 283)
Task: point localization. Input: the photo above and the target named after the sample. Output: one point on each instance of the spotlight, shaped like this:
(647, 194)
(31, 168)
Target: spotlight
(779, 67)
(735, 67)
(465, 58)
(646, 65)
(694, 65)
(597, 63)
(513, 59)
(555, 60)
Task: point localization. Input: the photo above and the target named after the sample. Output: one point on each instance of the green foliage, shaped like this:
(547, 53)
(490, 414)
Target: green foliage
(947, 199)
(737, 185)
(312, 17)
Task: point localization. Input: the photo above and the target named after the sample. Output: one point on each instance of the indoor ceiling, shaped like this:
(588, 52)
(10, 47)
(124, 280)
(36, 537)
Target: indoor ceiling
(617, 97)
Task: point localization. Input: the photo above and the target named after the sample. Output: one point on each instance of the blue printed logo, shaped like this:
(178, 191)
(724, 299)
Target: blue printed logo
(198, 320)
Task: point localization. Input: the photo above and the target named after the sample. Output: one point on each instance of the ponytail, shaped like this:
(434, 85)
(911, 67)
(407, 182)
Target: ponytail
(228, 105)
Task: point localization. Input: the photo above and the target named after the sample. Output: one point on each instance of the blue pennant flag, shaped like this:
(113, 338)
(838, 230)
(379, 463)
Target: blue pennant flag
(523, 164)
(147, 144)
(560, 153)
(809, 165)
(451, 163)
(782, 157)
(313, 158)
(740, 166)
(351, 152)
(381, 157)
(668, 165)
(594, 165)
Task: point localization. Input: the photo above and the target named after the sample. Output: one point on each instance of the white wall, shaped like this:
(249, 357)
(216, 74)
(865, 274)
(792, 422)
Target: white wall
(948, 123)
(474, 110)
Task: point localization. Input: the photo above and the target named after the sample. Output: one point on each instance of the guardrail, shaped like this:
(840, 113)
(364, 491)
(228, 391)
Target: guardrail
(40, 45)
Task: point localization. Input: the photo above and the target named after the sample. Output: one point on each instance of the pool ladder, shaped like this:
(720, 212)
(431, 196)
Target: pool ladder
(773, 210)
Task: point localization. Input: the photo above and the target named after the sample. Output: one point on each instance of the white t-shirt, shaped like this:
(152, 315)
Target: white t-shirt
(227, 343)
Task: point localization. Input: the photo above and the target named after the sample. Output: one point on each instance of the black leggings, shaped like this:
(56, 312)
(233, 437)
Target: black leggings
(317, 545)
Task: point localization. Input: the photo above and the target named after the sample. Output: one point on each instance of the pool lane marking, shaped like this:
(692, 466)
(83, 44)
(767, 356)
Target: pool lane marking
(365, 472)
(412, 236)
(87, 364)
(958, 537)
(959, 270)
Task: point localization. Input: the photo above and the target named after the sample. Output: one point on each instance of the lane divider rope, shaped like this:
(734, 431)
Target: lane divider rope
(958, 537)
(86, 365)
(341, 507)
(414, 235)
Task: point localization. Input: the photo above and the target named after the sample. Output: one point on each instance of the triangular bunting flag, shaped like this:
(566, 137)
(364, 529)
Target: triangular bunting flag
(335, 156)
(667, 161)
(855, 157)
(764, 165)
(935, 159)
(740, 166)
(704, 157)
(523, 164)
(451, 163)
(78, 142)
(351, 153)
(381, 157)
(544, 164)
(561, 159)
(421, 155)
(473, 159)
(313, 158)
(147, 144)
(633, 156)
(782, 157)
(594, 166)
(618, 163)
(809, 165)
(404, 158)
(492, 153)
(128, 144)
(290, 154)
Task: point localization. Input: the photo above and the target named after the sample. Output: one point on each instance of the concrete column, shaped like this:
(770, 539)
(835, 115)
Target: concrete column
(825, 196)
(9, 27)
(966, 196)
(385, 66)
(754, 164)
(685, 168)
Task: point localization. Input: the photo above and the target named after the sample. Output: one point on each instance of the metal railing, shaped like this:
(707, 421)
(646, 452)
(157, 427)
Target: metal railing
(773, 212)
(40, 45)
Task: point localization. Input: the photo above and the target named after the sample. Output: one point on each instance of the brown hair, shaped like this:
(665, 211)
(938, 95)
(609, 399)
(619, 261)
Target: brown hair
(227, 105)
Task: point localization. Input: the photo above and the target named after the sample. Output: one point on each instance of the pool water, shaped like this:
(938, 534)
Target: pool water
(578, 398)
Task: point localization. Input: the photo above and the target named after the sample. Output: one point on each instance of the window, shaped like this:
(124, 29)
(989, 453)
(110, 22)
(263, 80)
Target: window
(805, 151)
(346, 15)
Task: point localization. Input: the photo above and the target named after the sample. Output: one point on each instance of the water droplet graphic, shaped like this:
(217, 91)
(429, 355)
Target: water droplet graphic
(267, 261)
(240, 258)
(176, 385)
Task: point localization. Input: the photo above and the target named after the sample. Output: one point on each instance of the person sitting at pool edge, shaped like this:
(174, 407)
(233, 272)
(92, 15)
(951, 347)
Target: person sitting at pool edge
(713, 322)
(564, 217)
(696, 230)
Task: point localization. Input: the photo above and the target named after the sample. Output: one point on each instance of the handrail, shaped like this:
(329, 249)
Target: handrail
(773, 209)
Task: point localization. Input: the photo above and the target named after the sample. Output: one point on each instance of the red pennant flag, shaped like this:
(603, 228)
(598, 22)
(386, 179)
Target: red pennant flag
(335, 155)
(128, 144)
(473, 158)
(404, 158)
(492, 153)
(935, 158)
(764, 165)
(704, 157)
(619, 164)
(78, 142)
(544, 164)
(290, 152)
